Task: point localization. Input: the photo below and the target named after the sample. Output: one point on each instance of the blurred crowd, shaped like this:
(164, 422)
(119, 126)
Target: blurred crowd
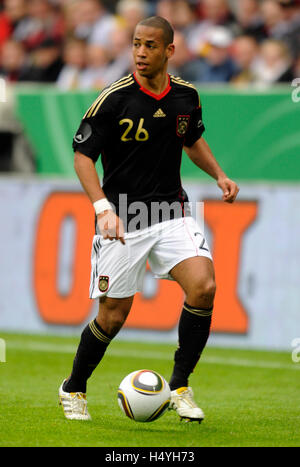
(86, 44)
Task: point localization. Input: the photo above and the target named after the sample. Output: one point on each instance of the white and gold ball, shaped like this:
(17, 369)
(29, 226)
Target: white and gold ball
(144, 395)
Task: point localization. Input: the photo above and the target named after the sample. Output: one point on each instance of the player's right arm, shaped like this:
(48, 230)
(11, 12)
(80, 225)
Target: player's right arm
(88, 143)
(110, 225)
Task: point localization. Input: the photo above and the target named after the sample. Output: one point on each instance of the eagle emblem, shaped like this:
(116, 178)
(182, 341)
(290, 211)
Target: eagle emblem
(182, 125)
(103, 283)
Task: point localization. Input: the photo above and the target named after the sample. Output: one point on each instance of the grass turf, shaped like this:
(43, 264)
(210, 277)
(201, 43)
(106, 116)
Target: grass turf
(250, 398)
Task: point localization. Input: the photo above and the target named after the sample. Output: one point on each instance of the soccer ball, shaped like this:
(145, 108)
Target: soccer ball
(144, 395)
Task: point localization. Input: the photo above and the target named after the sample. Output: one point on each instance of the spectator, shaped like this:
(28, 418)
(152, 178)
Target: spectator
(273, 17)
(46, 63)
(41, 23)
(13, 58)
(275, 64)
(93, 22)
(110, 5)
(165, 9)
(245, 51)
(185, 20)
(94, 75)
(131, 12)
(11, 18)
(120, 54)
(74, 58)
(152, 5)
(291, 29)
(217, 12)
(217, 65)
(183, 15)
(249, 18)
(183, 63)
(108, 25)
(214, 13)
(72, 17)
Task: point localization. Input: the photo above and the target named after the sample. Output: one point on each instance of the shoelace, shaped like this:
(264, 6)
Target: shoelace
(187, 397)
(78, 403)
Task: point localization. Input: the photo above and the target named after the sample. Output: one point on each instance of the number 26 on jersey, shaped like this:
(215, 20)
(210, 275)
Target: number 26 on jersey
(141, 134)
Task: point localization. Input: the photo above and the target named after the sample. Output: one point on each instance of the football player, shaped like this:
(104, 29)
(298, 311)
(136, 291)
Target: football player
(140, 125)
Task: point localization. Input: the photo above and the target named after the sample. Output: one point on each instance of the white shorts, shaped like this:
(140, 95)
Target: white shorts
(118, 270)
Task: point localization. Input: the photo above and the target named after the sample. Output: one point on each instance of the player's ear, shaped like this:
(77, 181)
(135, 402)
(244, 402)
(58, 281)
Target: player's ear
(170, 50)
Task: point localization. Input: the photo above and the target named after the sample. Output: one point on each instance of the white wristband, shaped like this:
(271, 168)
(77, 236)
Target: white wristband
(102, 205)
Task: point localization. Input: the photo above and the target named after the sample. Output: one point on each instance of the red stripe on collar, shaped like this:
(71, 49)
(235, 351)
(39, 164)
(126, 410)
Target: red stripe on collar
(158, 97)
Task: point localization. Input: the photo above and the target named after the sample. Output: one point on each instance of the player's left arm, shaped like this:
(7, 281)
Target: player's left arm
(202, 156)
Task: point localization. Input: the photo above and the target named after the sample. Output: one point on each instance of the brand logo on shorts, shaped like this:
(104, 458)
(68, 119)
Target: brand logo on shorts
(182, 124)
(103, 283)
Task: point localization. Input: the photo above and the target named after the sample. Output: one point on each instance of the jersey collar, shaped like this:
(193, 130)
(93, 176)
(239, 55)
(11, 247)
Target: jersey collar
(158, 97)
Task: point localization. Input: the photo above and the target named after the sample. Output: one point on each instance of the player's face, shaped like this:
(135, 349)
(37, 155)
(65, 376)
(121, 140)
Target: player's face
(150, 52)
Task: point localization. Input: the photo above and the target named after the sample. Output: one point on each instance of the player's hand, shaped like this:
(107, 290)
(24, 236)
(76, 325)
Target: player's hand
(111, 226)
(229, 188)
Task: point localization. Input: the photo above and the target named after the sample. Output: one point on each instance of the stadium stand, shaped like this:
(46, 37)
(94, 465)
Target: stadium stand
(81, 44)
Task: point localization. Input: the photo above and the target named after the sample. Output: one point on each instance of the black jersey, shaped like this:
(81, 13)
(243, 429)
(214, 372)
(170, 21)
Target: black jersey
(140, 137)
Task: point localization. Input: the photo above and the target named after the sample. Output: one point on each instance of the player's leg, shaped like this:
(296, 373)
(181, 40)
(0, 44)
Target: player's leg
(117, 274)
(113, 313)
(94, 341)
(181, 253)
(196, 277)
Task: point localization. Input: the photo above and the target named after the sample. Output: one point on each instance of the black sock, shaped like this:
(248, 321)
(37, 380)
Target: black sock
(193, 332)
(92, 346)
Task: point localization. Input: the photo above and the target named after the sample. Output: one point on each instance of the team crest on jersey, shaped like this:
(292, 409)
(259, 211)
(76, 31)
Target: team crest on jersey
(103, 283)
(182, 124)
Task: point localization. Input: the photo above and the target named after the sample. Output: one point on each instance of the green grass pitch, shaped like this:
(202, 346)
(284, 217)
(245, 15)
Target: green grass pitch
(250, 398)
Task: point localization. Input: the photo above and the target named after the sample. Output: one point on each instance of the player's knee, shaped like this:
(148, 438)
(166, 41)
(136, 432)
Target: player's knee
(112, 316)
(112, 323)
(202, 293)
(207, 290)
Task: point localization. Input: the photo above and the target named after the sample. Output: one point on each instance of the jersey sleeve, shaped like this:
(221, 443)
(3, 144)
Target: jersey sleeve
(196, 126)
(92, 134)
